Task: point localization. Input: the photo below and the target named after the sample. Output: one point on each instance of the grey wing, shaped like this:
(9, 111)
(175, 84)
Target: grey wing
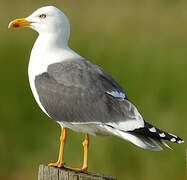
(77, 91)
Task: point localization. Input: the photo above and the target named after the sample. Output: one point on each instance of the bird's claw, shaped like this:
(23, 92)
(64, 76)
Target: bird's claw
(84, 169)
(57, 164)
(61, 165)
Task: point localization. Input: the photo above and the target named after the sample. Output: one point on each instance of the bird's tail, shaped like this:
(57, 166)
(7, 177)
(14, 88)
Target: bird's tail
(157, 134)
(147, 136)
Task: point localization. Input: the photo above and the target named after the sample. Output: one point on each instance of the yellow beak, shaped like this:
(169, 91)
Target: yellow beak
(19, 23)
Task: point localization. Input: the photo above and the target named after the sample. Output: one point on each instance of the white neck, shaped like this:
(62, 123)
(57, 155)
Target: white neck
(48, 49)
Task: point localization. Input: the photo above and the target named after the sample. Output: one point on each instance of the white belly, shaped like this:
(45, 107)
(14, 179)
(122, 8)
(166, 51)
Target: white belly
(95, 129)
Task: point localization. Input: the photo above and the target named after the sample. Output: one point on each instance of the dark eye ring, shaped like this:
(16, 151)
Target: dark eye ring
(42, 16)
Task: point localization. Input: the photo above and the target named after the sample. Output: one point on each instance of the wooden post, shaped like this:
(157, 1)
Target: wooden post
(53, 173)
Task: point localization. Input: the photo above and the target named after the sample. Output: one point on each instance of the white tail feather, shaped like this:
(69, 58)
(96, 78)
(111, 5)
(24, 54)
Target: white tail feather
(138, 140)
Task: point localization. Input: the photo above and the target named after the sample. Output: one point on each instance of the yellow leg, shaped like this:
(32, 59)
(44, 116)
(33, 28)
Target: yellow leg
(60, 162)
(84, 168)
(86, 146)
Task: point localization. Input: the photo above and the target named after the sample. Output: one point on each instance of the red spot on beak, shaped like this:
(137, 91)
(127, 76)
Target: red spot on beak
(16, 25)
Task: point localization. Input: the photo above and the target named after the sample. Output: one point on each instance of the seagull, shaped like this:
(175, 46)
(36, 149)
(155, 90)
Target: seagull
(78, 94)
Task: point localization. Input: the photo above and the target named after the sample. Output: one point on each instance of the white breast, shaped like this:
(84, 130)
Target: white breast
(43, 54)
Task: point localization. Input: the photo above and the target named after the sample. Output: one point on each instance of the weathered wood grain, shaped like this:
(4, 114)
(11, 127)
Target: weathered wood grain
(52, 173)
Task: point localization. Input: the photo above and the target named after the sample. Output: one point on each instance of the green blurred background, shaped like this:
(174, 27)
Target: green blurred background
(143, 44)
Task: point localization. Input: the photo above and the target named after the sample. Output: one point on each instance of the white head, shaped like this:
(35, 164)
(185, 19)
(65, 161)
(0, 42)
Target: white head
(48, 20)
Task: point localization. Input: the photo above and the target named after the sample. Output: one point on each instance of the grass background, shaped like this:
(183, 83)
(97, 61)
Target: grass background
(143, 44)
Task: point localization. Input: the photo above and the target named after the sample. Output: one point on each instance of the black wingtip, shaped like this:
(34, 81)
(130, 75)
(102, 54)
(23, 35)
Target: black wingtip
(158, 134)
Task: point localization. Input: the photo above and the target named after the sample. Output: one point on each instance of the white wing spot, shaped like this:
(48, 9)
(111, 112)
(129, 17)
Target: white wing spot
(180, 141)
(172, 139)
(117, 94)
(153, 129)
(162, 135)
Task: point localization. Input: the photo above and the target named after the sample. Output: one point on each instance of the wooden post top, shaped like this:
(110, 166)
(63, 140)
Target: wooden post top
(53, 173)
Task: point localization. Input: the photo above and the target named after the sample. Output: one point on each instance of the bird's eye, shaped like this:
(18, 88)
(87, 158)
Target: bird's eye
(42, 16)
